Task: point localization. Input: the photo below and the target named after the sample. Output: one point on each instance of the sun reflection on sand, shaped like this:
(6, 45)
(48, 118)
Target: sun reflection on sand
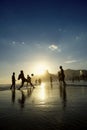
(42, 93)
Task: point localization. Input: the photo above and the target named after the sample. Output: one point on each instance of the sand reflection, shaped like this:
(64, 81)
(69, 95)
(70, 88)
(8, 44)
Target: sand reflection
(42, 92)
(63, 94)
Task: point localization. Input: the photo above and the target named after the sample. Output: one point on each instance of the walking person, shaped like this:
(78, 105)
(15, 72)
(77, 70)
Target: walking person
(13, 81)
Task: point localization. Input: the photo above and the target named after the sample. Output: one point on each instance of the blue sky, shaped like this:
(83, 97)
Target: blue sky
(49, 32)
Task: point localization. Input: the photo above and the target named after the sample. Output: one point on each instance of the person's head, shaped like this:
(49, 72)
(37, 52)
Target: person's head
(13, 73)
(21, 71)
(60, 67)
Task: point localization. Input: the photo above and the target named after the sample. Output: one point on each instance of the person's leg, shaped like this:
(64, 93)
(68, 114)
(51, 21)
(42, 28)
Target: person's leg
(64, 82)
(11, 86)
(21, 85)
(14, 85)
(32, 85)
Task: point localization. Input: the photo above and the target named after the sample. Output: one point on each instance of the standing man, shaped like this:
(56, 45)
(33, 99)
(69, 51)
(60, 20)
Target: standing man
(13, 81)
(62, 75)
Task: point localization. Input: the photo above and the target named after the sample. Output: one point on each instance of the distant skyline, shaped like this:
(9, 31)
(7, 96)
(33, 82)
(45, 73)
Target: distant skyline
(42, 32)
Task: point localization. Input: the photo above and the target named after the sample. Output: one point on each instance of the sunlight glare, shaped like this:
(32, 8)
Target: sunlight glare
(40, 69)
(42, 94)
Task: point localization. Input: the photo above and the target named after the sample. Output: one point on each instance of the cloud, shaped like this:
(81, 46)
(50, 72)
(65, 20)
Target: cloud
(17, 43)
(22, 43)
(71, 61)
(38, 45)
(59, 29)
(81, 36)
(13, 42)
(78, 38)
(70, 57)
(62, 30)
(54, 47)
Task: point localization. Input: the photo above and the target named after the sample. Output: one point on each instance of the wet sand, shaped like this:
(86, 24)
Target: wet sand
(47, 107)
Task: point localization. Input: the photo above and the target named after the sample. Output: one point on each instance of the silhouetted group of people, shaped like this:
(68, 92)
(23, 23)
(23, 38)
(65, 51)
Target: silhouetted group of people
(61, 78)
(38, 81)
(23, 80)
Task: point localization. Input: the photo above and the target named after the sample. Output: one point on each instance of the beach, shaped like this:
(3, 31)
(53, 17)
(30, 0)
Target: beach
(46, 107)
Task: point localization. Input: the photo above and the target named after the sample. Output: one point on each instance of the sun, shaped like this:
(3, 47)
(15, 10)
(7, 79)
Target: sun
(40, 69)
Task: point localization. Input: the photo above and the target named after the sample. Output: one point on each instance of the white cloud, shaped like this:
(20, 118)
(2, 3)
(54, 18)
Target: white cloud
(71, 61)
(53, 47)
(17, 43)
(14, 43)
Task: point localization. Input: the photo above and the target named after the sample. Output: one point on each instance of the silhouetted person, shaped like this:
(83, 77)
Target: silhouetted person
(51, 80)
(61, 75)
(23, 79)
(39, 81)
(29, 81)
(13, 81)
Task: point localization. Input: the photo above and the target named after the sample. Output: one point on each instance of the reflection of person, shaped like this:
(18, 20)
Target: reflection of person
(51, 80)
(61, 75)
(13, 95)
(63, 95)
(21, 76)
(29, 92)
(13, 81)
(22, 99)
(24, 96)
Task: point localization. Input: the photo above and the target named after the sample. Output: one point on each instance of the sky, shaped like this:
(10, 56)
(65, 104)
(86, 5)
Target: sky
(42, 33)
